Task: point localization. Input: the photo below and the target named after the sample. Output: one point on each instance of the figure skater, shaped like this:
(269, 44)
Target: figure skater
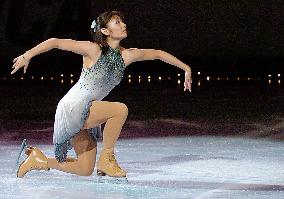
(80, 113)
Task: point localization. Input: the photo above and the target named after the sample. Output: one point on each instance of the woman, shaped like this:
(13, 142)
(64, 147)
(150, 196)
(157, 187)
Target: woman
(80, 112)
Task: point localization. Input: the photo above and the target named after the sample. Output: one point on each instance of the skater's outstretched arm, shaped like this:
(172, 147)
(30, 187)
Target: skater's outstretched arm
(84, 48)
(135, 54)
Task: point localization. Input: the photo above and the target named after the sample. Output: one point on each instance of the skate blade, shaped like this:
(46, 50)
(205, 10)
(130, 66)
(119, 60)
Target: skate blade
(22, 147)
(112, 180)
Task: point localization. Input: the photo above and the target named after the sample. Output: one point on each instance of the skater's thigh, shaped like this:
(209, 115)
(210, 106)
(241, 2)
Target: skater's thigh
(83, 142)
(101, 111)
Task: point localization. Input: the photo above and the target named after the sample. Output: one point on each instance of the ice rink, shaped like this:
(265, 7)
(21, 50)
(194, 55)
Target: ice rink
(166, 167)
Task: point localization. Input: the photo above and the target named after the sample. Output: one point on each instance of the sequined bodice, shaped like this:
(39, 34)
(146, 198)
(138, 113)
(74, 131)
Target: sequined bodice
(98, 80)
(110, 65)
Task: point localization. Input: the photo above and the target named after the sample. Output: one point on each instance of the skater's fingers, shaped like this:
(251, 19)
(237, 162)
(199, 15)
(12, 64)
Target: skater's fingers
(25, 68)
(14, 65)
(13, 71)
(185, 86)
(189, 86)
(189, 83)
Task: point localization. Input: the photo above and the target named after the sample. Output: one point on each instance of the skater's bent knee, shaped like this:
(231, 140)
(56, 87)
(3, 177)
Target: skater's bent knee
(123, 109)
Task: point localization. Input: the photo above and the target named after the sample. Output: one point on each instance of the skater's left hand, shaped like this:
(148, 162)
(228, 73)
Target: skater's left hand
(187, 81)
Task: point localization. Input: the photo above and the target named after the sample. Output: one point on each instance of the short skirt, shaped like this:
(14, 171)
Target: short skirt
(70, 117)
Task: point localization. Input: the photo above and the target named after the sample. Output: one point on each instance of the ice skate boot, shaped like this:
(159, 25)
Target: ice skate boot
(108, 169)
(36, 160)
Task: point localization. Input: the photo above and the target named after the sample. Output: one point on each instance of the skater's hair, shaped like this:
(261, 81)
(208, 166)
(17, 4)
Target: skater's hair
(101, 22)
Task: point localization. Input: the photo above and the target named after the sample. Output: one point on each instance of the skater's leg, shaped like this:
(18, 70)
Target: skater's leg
(114, 114)
(86, 149)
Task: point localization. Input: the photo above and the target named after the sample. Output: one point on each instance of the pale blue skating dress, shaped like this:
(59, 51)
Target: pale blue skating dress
(73, 109)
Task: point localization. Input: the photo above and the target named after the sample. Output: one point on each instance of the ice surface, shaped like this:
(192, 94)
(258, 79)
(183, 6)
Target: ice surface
(168, 167)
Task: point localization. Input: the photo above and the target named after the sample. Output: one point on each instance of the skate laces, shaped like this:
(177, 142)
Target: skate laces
(112, 159)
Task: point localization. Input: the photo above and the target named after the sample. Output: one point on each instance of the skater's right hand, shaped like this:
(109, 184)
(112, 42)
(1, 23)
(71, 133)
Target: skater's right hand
(19, 62)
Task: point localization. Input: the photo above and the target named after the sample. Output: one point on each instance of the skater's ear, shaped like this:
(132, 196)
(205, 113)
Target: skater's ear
(105, 31)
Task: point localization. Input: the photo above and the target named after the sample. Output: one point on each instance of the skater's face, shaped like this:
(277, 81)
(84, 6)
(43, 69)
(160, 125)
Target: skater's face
(116, 28)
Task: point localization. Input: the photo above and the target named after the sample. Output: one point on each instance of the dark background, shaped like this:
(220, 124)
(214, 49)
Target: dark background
(223, 35)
